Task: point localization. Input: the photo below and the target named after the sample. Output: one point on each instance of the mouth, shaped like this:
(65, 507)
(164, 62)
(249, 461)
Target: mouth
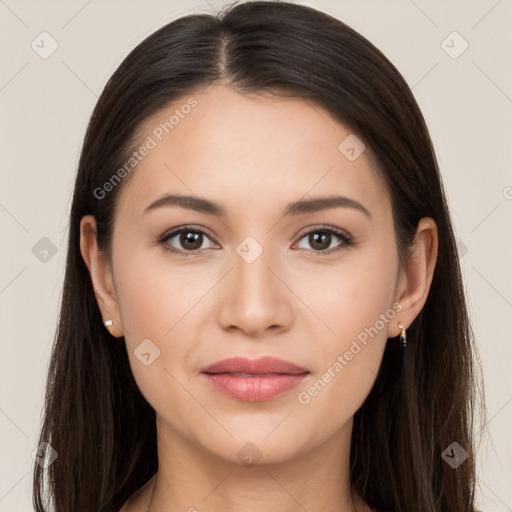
(254, 380)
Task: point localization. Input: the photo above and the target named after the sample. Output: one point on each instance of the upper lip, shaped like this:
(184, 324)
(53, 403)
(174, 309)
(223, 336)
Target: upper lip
(259, 366)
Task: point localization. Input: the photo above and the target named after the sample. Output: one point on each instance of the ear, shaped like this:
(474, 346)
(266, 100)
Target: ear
(101, 275)
(414, 282)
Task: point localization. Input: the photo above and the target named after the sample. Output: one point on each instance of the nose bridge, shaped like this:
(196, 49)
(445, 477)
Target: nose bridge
(252, 268)
(255, 298)
(254, 279)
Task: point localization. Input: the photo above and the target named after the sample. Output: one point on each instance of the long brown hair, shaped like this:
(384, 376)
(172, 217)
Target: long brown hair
(423, 398)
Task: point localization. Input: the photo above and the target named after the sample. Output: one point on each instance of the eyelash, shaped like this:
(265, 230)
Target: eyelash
(347, 240)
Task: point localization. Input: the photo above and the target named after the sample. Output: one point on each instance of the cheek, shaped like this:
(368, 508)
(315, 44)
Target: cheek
(155, 293)
(356, 306)
(159, 303)
(351, 295)
(349, 360)
(145, 298)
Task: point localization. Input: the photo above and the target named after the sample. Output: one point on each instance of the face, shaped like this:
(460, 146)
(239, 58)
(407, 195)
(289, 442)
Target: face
(315, 284)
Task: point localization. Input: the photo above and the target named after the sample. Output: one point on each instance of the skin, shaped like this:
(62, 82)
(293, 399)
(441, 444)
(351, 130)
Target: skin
(254, 155)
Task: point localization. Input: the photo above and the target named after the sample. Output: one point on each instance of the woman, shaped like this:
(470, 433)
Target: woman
(263, 307)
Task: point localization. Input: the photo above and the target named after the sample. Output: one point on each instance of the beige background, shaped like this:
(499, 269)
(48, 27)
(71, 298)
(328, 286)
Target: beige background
(45, 106)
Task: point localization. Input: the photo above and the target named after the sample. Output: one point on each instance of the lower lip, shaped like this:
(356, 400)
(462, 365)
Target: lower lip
(253, 389)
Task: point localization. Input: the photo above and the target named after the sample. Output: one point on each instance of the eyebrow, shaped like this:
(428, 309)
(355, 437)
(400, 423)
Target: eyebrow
(296, 208)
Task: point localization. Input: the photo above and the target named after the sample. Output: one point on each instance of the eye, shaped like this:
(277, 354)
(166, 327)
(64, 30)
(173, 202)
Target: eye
(320, 239)
(189, 238)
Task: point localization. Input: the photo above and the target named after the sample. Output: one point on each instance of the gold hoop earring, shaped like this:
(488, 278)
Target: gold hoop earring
(403, 337)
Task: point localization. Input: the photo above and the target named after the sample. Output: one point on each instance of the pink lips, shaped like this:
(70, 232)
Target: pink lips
(253, 380)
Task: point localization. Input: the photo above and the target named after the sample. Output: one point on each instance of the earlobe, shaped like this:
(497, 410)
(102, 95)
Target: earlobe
(101, 276)
(415, 282)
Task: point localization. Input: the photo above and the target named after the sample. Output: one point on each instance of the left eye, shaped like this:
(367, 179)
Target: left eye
(320, 240)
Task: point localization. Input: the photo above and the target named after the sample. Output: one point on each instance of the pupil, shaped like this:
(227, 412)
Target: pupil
(314, 240)
(191, 238)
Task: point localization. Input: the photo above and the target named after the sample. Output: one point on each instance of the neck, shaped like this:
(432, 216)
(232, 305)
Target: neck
(190, 478)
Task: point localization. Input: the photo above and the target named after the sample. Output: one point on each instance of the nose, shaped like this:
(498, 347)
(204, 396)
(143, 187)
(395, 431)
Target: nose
(255, 298)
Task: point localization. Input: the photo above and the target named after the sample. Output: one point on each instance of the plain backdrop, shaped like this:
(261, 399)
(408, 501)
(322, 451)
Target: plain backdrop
(45, 104)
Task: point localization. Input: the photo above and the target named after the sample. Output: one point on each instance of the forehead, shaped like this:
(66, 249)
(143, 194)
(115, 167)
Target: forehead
(248, 151)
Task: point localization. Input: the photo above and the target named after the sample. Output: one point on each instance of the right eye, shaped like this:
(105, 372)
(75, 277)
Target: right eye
(191, 240)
